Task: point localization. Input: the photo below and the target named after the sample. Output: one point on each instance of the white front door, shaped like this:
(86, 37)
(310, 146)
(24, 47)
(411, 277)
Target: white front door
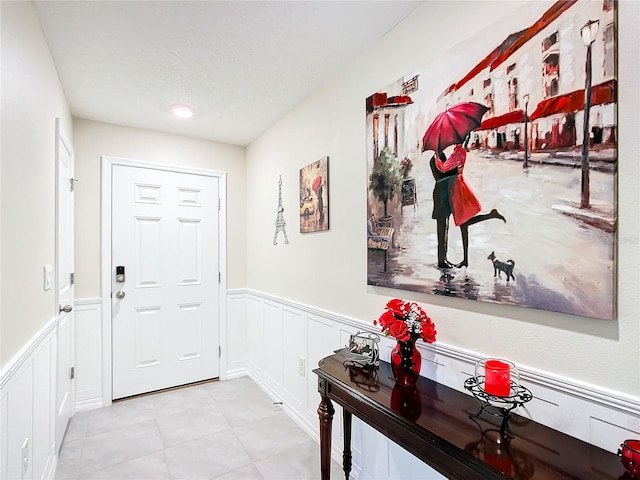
(165, 312)
(63, 282)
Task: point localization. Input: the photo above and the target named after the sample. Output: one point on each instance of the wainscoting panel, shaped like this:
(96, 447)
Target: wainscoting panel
(88, 354)
(402, 464)
(598, 416)
(4, 433)
(323, 337)
(255, 335)
(294, 335)
(21, 422)
(272, 339)
(371, 452)
(27, 413)
(44, 371)
(236, 335)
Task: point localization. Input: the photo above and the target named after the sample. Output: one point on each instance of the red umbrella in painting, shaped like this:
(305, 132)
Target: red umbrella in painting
(453, 125)
(316, 183)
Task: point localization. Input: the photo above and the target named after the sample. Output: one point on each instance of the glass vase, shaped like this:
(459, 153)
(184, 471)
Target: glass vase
(405, 363)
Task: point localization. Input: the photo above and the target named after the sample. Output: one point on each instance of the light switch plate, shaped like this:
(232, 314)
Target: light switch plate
(47, 271)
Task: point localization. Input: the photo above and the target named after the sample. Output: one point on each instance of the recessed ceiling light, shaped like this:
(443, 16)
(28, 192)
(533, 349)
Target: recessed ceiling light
(182, 111)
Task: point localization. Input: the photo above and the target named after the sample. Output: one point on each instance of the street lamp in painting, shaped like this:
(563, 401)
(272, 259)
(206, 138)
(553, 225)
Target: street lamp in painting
(588, 33)
(525, 99)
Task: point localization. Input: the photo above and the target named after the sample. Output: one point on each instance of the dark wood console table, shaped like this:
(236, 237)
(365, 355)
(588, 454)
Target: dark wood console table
(432, 422)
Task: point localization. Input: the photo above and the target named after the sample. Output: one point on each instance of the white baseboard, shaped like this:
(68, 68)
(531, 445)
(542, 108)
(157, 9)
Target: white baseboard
(87, 405)
(237, 373)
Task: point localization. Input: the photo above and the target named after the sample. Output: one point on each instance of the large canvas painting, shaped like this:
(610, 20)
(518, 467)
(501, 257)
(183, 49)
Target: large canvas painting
(491, 175)
(314, 196)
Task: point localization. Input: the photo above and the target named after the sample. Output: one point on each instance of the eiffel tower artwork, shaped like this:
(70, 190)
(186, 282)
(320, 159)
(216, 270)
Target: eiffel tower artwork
(280, 222)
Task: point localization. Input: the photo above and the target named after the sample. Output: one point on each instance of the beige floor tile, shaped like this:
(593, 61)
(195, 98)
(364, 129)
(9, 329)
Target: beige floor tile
(118, 446)
(191, 424)
(121, 414)
(206, 457)
(301, 463)
(269, 436)
(176, 401)
(150, 467)
(243, 410)
(249, 472)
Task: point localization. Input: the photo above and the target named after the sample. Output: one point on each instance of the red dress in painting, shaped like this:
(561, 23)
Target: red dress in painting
(464, 204)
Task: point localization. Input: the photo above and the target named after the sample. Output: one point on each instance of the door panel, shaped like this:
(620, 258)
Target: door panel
(165, 233)
(64, 286)
(189, 340)
(147, 244)
(190, 249)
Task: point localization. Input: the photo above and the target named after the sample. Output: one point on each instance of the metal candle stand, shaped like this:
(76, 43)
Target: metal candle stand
(497, 406)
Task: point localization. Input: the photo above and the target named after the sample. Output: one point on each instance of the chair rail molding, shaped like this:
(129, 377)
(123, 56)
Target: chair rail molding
(23, 355)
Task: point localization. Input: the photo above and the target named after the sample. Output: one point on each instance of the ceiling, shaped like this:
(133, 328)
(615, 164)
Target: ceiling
(241, 65)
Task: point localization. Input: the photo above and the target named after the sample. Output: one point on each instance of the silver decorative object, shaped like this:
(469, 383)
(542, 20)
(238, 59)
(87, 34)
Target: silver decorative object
(280, 222)
(363, 350)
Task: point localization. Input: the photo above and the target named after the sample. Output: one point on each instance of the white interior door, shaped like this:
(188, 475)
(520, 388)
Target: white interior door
(64, 283)
(165, 314)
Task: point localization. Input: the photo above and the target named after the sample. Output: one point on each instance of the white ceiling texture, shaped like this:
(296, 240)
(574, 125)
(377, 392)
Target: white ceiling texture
(241, 65)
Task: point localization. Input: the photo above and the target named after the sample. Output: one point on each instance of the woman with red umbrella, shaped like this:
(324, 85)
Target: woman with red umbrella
(317, 187)
(451, 194)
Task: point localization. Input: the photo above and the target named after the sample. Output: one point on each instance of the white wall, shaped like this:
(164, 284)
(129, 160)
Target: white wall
(328, 270)
(94, 139)
(32, 98)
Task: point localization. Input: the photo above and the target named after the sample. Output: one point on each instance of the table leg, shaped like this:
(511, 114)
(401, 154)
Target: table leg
(325, 414)
(346, 453)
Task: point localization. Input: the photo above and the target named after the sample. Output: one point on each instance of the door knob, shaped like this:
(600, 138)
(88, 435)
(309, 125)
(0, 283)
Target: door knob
(120, 294)
(65, 309)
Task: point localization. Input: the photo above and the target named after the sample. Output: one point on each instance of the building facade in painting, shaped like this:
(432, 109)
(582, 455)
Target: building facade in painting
(545, 64)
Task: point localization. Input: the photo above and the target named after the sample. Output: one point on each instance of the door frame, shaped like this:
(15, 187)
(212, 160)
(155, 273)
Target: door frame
(108, 162)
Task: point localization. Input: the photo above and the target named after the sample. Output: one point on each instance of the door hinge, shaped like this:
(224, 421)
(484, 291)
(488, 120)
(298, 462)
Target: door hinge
(73, 373)
(219, 350)
(72, 278)
(219, 277)
(72, 182)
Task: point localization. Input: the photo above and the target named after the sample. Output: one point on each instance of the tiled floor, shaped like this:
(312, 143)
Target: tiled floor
(224, 430)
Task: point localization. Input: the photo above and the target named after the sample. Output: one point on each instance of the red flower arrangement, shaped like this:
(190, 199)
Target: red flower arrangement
(406, 321)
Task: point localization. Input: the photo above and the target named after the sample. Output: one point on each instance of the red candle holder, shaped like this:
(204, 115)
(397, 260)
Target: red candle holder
(497, 377)
(496, 385)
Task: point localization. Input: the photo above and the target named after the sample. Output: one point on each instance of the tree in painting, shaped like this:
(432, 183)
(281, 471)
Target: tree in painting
(386, 177)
